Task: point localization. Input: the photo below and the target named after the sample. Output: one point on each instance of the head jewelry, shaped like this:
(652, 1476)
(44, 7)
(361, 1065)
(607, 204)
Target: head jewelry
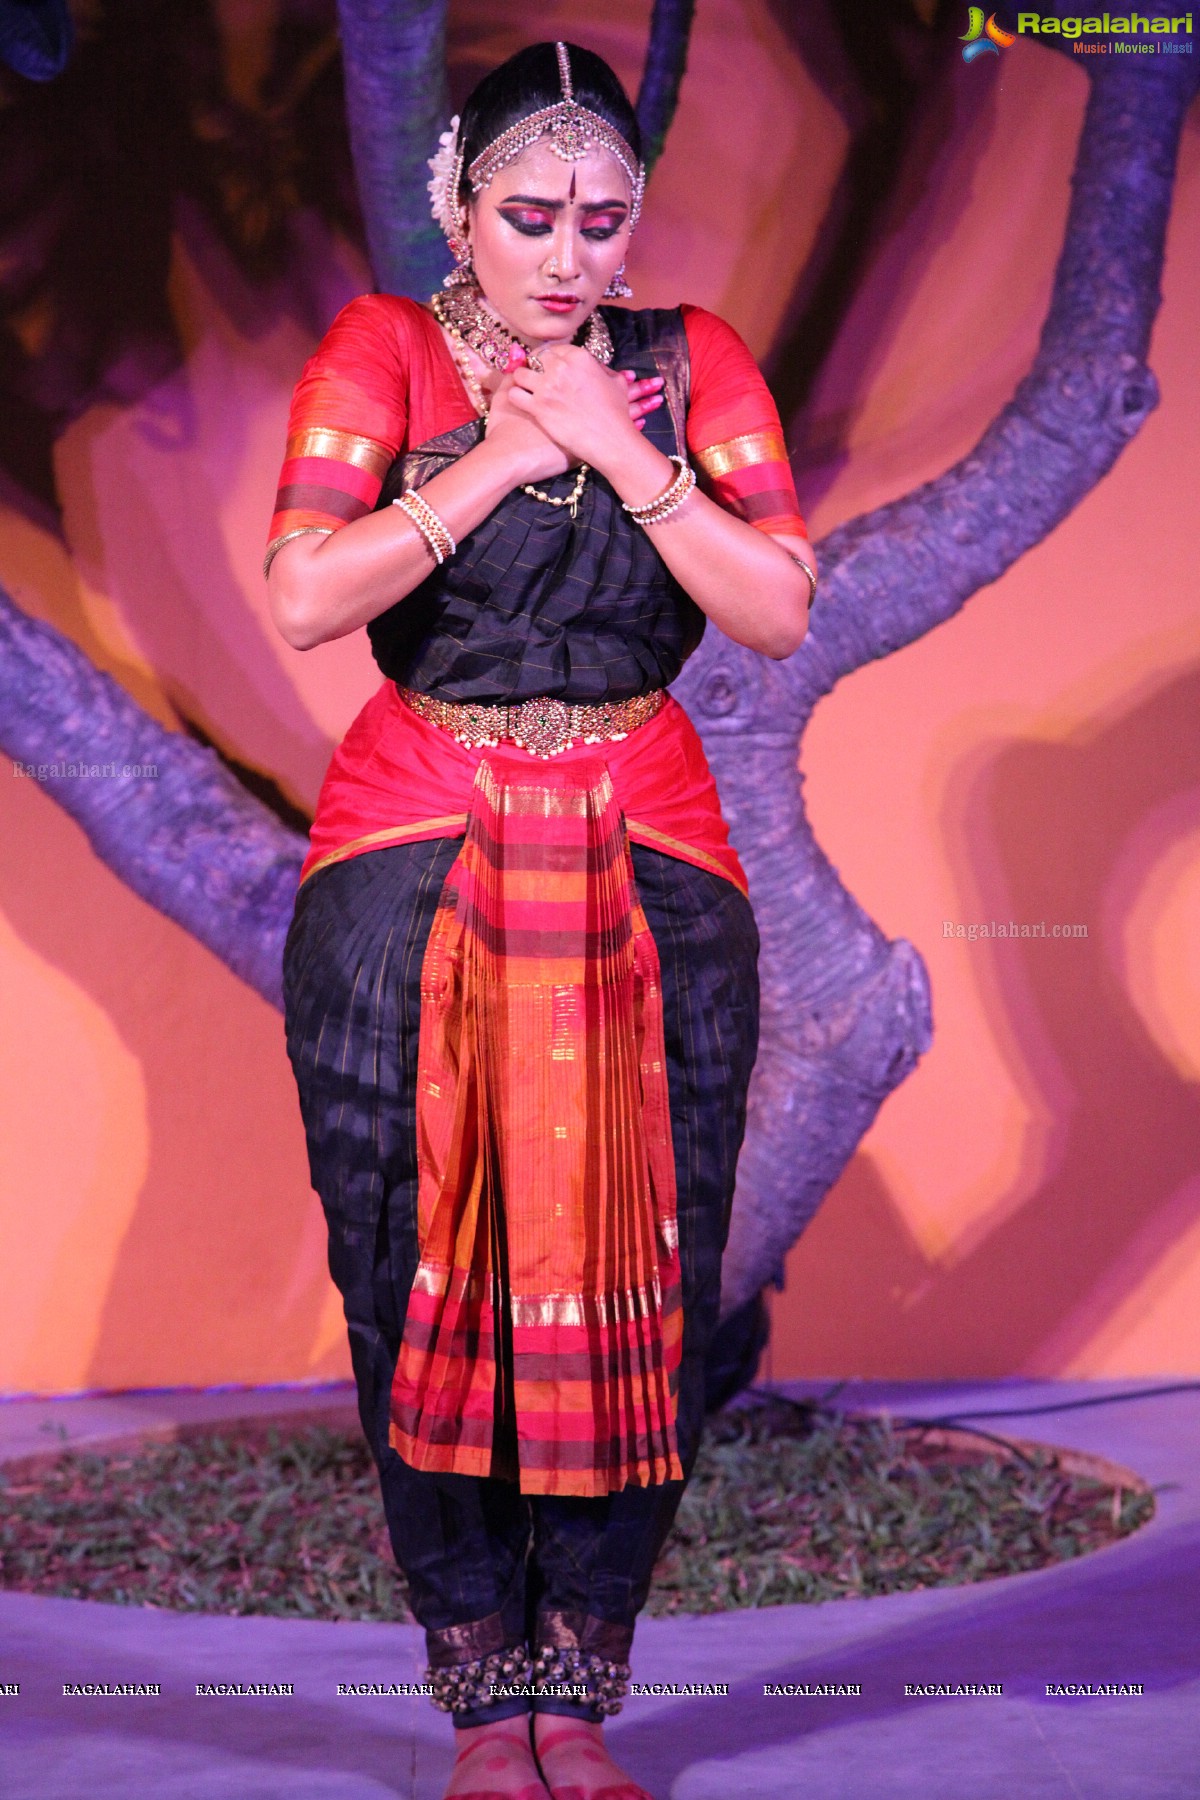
(573, 130)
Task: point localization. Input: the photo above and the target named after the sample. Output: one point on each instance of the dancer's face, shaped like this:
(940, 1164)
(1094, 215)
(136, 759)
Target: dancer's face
(547, 237)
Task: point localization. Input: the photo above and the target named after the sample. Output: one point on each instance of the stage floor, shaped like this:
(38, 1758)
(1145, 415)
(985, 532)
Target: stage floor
(1127, 1615)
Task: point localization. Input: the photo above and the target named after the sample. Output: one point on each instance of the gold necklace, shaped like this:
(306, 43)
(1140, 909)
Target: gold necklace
(480, 402)
(465, 311)
(471, 382)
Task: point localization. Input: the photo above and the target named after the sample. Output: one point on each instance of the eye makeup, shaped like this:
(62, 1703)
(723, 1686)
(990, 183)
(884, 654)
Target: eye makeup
(605, 225)
(534, 217)
(529, 221)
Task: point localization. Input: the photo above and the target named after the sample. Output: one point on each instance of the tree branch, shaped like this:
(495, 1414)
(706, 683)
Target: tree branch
(394, 53)
(892, 574)
(188, 838)
(666, 60)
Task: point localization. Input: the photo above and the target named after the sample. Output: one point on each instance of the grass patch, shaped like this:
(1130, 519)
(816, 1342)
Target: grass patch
(787, 1504)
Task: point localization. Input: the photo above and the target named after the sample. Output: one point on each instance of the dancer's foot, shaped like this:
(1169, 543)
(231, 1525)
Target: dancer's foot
(575, 1763)
(496, 1762)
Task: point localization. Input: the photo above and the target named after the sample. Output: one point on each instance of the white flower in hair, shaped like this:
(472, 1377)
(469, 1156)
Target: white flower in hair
(443, 204)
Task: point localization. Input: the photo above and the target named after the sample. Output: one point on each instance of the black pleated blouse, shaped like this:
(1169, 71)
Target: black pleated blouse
(537, 601)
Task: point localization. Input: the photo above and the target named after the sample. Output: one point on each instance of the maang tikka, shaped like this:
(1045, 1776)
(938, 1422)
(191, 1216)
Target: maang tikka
(572, 128)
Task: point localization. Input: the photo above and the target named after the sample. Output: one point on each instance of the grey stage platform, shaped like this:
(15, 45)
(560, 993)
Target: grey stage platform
(1130, 1614)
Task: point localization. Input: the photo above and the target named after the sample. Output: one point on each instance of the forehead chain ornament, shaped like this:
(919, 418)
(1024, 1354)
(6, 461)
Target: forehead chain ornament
(573, 129)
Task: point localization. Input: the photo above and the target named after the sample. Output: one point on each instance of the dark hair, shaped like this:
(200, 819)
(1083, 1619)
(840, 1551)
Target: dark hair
(529, 81)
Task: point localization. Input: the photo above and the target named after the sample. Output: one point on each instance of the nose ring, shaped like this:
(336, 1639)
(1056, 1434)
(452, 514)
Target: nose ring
(552, 266)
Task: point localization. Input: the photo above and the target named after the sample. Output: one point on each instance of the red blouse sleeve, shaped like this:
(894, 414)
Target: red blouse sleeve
(347, 421)
(733, 428)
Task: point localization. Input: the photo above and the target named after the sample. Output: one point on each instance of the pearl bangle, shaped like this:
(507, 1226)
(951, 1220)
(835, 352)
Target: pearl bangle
(673, 495)
(432, 528)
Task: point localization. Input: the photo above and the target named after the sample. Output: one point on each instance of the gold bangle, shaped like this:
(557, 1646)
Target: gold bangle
(808, 570)
(664, 504)
(431, 526)
(276, 544)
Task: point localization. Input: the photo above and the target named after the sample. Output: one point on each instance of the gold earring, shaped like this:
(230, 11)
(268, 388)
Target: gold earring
(618, 288)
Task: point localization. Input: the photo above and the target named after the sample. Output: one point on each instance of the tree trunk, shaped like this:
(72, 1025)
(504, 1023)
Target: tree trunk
(394, 57)
(666, 60)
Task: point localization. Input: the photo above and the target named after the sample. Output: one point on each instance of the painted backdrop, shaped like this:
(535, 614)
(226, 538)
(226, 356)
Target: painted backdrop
(1036, 759)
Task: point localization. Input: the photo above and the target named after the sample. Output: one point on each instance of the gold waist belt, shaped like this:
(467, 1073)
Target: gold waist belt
(543, 726)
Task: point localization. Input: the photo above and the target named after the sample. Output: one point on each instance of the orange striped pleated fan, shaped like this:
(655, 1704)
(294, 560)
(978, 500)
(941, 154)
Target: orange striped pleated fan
(544, 1330)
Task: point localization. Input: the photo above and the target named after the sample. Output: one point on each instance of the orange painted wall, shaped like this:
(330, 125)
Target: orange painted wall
(1034, 758)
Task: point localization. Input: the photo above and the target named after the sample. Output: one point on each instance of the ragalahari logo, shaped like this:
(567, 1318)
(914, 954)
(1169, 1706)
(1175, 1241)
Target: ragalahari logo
(983, 35)
(1100, 34)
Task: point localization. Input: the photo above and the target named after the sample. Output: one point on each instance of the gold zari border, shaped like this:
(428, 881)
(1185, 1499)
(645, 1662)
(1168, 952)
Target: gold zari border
(449, 825)
(741, 452)
(454, 824)
(586, 1309)
(341, 446)
(614, 1308)
(673, 846)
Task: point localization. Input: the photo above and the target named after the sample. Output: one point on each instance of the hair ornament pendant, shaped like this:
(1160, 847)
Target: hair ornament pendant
(446, 167)
(569, 135)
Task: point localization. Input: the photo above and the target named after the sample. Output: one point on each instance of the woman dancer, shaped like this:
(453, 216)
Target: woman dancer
(521, 982)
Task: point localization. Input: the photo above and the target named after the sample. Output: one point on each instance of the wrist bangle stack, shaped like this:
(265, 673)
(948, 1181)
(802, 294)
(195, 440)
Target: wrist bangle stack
(433, 530)
(673, 495)
(808, 570)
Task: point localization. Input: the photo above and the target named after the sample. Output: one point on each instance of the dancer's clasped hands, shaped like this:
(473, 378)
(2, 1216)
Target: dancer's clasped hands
(581, 411)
